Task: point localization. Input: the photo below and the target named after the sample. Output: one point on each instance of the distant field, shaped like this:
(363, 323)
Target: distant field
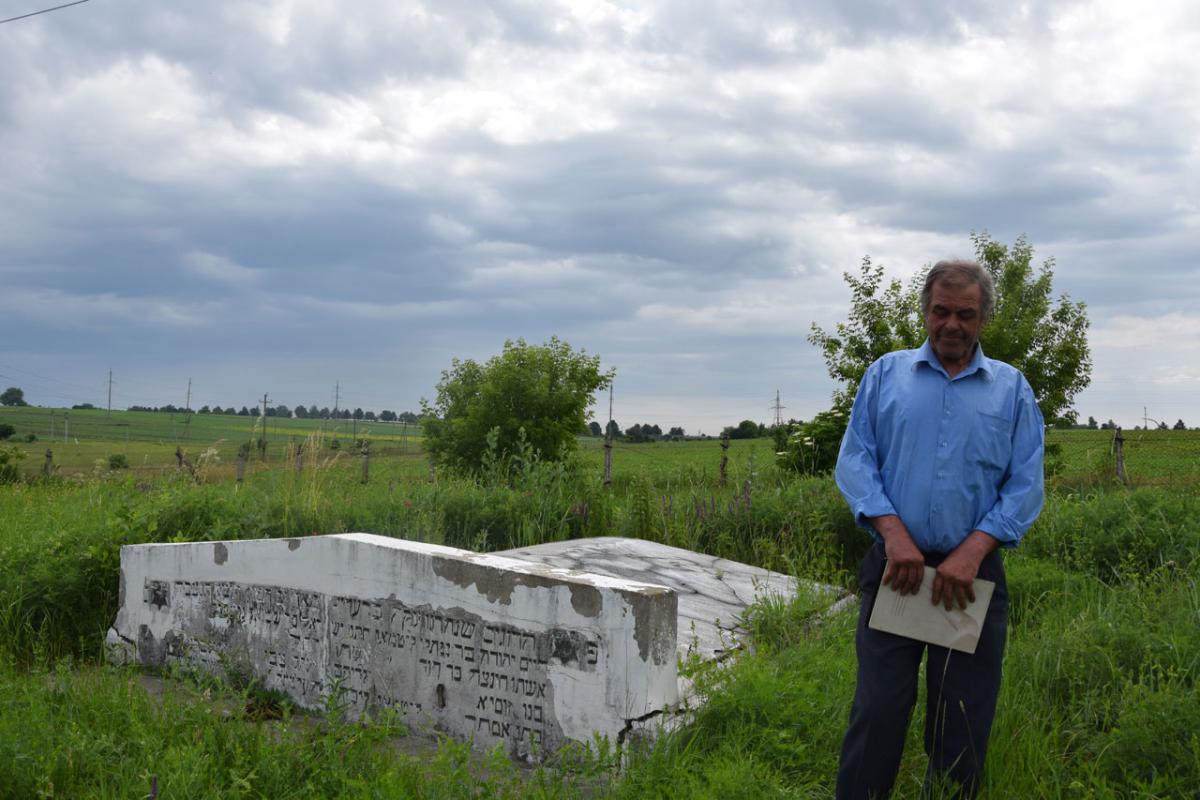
(83, 439)
(1152, 457)
(148, 439)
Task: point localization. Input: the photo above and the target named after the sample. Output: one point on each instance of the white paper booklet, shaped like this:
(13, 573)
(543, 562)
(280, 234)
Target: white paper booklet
(915, 616)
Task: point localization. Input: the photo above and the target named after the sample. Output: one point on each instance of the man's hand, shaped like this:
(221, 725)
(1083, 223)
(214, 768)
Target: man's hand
(955, 578)
(905, 563)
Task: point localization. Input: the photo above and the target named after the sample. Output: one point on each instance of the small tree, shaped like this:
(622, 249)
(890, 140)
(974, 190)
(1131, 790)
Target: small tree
(594, 428)
(536, 394)
(1092, 424)
(612, 430)
(746, 429)
(12, 396)
(1179, 426)
(1045, 339)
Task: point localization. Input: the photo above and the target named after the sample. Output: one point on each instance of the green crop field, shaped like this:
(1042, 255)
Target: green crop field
(1100, 700)
(80, 439)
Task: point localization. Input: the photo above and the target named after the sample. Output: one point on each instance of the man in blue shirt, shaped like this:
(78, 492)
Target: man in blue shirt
(942, 463)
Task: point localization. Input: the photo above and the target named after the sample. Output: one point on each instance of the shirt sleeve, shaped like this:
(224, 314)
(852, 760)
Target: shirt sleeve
(1021, 494)
(857, 471)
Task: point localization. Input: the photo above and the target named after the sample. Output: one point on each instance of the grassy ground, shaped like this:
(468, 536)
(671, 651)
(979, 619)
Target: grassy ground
(1100, 696)
(148, 439)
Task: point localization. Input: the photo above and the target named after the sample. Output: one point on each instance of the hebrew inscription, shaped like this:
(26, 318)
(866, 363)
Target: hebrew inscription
(379, 654)
(483, 647)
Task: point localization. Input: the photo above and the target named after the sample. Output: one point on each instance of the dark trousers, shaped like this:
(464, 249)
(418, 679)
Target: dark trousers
(960, 702)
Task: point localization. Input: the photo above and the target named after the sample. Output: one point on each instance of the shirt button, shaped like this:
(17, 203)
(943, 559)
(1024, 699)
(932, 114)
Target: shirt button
(943, 444)
(941, 474)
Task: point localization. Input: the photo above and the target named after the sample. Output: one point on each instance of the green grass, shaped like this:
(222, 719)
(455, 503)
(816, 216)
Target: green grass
(1100, 696)
(148, 439)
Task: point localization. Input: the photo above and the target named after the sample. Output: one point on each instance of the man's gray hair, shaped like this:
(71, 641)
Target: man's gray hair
(961, 272)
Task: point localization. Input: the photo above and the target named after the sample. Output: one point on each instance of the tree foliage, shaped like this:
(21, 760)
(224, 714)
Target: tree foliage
(12, 396)
(1044, 338)
(530, 395)
(746, 429)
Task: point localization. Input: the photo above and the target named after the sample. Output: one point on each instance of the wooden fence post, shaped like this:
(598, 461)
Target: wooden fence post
(608, 461)
(1119, 453)
(724, 455)
(48, 468)
(300, 457)
(366, 454)
(178, 458)
(243, 454)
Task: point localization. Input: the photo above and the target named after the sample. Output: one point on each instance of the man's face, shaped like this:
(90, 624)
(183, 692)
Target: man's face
(953, 322)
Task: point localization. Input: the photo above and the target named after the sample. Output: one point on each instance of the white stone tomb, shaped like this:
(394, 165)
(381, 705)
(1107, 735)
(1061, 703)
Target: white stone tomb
(527, 649)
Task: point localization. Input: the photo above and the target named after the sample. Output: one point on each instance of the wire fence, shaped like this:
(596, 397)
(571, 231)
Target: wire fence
(1137, 457)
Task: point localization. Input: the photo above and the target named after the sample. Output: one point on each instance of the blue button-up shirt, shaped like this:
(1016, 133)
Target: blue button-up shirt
(947, 455)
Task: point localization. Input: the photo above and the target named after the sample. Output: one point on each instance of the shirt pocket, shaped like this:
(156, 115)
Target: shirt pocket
(991, 443)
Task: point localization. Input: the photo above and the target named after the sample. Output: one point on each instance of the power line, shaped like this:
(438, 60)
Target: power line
(43, 11)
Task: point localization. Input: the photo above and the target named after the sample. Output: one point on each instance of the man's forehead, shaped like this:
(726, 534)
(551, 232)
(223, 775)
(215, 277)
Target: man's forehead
(946, 293)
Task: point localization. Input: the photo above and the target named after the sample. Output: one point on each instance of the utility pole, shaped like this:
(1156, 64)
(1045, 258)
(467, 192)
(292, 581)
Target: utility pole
(262, 442)
(337, 396)
(608, 440)
(187, 405)
(110, 391)
(778, 410)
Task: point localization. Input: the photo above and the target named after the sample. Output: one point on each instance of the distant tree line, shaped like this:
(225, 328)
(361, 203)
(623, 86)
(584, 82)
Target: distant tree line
(299, 412)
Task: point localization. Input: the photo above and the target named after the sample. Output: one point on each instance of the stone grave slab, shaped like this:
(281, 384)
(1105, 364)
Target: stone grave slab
(713, 593)
(484, 647)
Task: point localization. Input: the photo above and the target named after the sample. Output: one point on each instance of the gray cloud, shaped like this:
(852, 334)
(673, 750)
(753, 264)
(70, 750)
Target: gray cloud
(677, 186)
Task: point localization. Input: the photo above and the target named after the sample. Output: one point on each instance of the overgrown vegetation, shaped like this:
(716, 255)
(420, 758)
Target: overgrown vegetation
(1100, 697)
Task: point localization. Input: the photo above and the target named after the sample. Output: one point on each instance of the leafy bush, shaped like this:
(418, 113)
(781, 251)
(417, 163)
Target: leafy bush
(1118, 534)
(9, 456)
(538, 393)
(812, 447)
(118, 461)
(6, 431)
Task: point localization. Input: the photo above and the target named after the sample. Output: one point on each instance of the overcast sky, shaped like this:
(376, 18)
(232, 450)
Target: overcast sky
(277, 196)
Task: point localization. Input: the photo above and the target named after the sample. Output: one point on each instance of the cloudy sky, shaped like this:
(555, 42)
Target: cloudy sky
(287, 195)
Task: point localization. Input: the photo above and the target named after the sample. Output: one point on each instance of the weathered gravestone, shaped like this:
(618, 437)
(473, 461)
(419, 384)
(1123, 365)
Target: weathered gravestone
(475, 645)
(527, 649)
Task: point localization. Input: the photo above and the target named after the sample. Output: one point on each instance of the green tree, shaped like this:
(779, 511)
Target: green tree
(1179, 426)
(746, 429)
(594, 428)
(1044, 338)
(535, 394)
(12, 396)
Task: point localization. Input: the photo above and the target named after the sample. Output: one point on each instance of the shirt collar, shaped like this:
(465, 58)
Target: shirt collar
(979, 363)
